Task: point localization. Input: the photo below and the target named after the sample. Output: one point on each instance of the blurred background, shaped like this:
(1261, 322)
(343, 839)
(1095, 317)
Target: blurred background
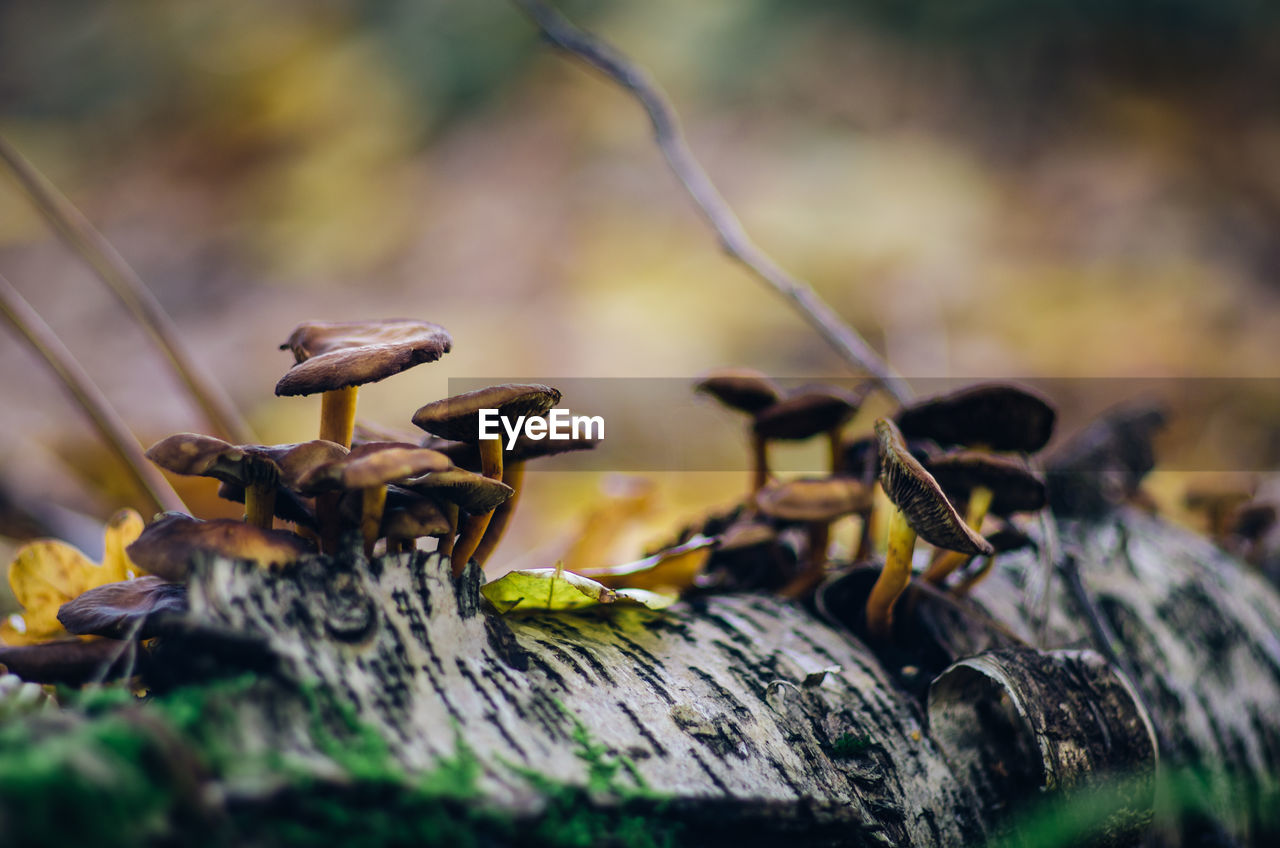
(984, 189)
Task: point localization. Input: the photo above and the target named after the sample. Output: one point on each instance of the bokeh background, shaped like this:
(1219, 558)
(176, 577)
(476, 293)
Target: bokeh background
(990, 188)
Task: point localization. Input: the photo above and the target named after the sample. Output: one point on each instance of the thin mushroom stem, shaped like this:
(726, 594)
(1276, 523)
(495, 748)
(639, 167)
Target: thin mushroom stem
(260, 504)
(41, 337)
(74, 229)
(948, 561)
(815, 569)
(760, 462)
(474, 526)
(373, 502)
(837, 455)
(864, 536)
(733, 237)
(893, 579)
(513, 476)
(445, 548)
(338, 415)
(970, 580)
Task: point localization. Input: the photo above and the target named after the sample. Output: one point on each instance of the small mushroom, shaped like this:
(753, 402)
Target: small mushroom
(994, 416)
(920, 508)
(748, 391)
(1218, 503)
(167, 546)
(133, 609)
(861, 460)
(246, 466)
(335, 359)
(369, 468)
(409, 516)
(462, 490)
(816, 503)
(458, 418)
(1102, 465)
(809, 411)
(986, 482)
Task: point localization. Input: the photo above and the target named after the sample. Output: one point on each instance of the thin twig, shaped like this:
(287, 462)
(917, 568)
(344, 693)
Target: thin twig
(76, 230)
(733, 237)
(110, 425)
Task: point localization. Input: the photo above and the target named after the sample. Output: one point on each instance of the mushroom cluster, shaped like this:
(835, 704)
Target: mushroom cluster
(343, 487)
(948, 465)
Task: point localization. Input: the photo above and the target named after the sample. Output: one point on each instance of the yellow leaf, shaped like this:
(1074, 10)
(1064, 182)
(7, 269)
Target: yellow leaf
(557, 590)
(46, 573)
(545, 590)
(123, 529)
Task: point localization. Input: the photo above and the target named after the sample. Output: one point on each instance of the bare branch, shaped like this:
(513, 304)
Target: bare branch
(733, 238)
(108, 422)
(124, 282)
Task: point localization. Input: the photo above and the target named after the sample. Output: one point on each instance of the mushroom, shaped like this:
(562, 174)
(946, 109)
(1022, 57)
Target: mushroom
(808, 411)
(816, 503)
(472, 493)
(986, 482)
(458, 418)
(167, 546)
(993, 416)
(1103, 465)
(191, 454)
(369, 468)
(861, 460)
(133, 609)
(409, 516)
(919, 508)
(749, 391)
(1217, 502)
(337, 358)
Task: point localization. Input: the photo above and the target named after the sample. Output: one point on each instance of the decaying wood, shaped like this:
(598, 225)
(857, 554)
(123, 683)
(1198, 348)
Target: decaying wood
(748, 719)
(721, 704)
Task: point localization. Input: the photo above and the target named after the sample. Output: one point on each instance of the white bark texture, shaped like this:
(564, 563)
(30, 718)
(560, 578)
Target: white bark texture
(720, 705)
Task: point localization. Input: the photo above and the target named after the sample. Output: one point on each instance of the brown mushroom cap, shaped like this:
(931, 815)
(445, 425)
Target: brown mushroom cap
(409, 515)
(133, 609)
(298, 460)
(337, 355)
(473, 493)
(1002, 417)
(194, 455)
(807, 412)
(373, 464)
(167, 546)
(1103, 464)
(919, 497)
(467, 456)
(814, 499)
(458, 417)
(743, 389)
(861, 456)
(1014, 486)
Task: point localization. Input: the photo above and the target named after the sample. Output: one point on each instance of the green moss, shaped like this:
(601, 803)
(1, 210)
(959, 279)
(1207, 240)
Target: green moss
(105, 772)
(848, 746)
